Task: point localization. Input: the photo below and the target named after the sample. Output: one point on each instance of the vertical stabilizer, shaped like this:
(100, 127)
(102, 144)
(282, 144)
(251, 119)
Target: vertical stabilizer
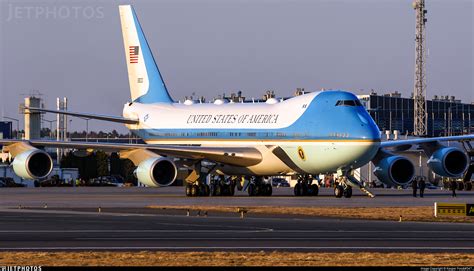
(146, 83)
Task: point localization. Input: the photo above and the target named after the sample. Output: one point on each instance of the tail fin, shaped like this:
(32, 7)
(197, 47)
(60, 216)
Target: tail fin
(146, 83)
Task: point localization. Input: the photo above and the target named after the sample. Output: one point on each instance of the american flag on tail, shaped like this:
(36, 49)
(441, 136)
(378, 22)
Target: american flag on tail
(133, 51)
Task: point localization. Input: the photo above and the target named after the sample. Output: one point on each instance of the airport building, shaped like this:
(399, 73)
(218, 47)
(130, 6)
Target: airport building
(5, 129)
(446, 116)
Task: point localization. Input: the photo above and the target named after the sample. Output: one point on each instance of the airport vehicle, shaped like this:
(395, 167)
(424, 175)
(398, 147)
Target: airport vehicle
(430, 186)
(314, 133)
(9, 182)
(280, 182)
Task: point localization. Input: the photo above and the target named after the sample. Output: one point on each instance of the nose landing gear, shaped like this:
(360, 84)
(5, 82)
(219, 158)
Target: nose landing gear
(343, 190)
(344, 184)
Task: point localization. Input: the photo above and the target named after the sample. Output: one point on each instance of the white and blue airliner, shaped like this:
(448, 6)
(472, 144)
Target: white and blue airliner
(307, 135)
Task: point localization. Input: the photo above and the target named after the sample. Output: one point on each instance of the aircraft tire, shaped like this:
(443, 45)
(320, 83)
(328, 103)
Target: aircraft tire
(258, 190)
(314, 190)
(194, 190)
(305, 190)
(347, 192)
(206, 190)
(338, 191)
(297, 189)
(218, 190)
(188, 190)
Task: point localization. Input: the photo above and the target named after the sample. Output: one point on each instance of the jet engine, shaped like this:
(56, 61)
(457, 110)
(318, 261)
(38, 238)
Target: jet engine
(394, 170)
(32, 164)
(156, 172)
(448, 162)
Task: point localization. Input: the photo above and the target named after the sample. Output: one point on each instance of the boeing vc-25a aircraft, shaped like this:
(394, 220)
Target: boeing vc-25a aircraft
(319, 132)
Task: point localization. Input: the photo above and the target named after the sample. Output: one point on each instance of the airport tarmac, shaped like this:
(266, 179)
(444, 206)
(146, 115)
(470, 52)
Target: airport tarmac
(124, 229)
(137, 197)
(71, 222)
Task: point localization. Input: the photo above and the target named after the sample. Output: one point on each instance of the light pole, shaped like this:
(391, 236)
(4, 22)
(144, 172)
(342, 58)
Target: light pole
(87, 130)
(70, 134)
(17, 126)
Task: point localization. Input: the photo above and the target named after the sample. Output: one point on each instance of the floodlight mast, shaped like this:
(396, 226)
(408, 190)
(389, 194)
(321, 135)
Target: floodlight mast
(419, 92)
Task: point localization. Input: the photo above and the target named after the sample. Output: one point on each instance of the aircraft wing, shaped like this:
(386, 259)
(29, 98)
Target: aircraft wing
(407, 143)
(85, 115)
(228, 155)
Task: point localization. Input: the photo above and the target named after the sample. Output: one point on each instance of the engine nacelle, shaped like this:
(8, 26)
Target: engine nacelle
(156, 172)
(32, 164)
(394, 170)
(448, 162)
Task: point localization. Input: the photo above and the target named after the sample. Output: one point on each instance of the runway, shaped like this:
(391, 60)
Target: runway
(138, 197)
(71, 221)
(124, 229)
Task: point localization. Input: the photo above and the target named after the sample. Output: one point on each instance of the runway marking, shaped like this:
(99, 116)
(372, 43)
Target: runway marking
(213, 230)
(279, 238)
(214, 225)
(132, 231)
(242, 248)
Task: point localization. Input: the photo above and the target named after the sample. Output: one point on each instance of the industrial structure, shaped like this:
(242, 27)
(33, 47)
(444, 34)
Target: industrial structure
(32, 118)
(5, 129)
(419, 92)
(61, 126)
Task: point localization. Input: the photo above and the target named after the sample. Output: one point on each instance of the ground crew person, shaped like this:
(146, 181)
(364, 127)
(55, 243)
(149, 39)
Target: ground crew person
(452, 186)
(414, 185)
(422, 187)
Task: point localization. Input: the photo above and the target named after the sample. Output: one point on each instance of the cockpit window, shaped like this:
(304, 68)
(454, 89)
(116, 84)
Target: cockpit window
(348, 103)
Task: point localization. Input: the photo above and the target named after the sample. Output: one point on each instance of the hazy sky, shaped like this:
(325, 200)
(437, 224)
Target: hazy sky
(74, 49)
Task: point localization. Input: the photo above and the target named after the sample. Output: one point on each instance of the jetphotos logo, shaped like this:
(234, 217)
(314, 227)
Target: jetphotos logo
(51, 12)
(20, 268)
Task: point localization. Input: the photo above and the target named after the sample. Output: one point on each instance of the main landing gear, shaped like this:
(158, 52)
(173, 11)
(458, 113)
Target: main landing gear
(196, 181)
(197, 190)
(258, 187)
(305, 186)
(223, 186)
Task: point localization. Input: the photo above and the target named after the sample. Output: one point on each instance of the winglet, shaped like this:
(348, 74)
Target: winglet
(146, 83)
